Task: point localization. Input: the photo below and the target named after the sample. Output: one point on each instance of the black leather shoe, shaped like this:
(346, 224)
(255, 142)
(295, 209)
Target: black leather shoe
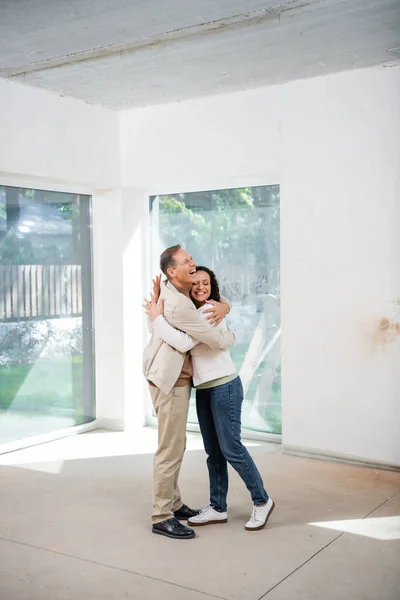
(173, 529)
(185, 513)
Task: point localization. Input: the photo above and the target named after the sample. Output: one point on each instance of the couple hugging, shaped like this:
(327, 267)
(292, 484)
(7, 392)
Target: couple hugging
(189, 343)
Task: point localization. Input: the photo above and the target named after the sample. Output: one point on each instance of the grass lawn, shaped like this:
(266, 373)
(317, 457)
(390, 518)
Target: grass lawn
(42, 386)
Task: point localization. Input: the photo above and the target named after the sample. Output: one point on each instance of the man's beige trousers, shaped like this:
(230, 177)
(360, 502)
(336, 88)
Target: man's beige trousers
(172, 411)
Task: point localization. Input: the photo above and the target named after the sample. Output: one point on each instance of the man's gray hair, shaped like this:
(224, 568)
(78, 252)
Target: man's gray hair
(167, 259)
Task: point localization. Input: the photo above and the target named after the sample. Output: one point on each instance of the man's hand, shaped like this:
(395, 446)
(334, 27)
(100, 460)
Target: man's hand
(152, 308)
(217, 313)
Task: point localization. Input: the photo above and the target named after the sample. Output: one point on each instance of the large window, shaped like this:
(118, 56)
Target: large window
(46, 357)
(236, 233)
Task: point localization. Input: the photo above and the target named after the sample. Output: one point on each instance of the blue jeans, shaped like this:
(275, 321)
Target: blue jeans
(219, 411)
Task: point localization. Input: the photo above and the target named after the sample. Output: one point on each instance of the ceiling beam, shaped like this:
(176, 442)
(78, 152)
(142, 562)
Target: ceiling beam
(235, 22)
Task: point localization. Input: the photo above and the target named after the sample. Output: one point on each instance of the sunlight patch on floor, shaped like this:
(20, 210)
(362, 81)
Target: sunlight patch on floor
(379, 528)
(50, 457)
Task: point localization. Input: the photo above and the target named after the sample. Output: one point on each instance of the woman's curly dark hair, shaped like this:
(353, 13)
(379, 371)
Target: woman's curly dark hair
(215, 295)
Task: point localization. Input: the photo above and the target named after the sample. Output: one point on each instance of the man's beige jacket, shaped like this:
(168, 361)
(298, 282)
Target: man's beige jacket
(162, 364)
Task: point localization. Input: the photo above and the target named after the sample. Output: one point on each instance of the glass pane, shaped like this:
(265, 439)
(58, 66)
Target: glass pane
(46, 358)
(236, 233)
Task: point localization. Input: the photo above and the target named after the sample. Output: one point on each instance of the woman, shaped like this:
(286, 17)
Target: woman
(219, 398)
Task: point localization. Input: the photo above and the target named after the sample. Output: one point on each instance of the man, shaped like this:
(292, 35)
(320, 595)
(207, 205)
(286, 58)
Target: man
(169, 374)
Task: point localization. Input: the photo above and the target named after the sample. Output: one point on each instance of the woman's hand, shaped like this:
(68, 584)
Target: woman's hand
(217, 313)
(152, 308)
(156, 287)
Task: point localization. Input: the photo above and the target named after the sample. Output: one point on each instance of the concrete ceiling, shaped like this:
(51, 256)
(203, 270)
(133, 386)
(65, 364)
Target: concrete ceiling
(125, 53)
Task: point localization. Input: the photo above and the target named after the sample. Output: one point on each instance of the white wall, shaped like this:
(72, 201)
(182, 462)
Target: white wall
(332, 144)
(120, 239)
(57, 139)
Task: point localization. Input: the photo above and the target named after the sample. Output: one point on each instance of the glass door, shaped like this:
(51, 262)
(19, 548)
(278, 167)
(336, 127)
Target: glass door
(236, 233)
(46, 350)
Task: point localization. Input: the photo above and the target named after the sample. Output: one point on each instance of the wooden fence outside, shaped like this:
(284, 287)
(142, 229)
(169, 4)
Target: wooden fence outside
(40, 292)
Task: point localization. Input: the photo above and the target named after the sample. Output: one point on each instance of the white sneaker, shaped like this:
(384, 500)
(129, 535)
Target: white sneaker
(207, 516)
(260, 516)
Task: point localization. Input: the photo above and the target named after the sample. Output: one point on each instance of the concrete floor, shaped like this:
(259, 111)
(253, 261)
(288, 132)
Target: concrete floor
(74, 524)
